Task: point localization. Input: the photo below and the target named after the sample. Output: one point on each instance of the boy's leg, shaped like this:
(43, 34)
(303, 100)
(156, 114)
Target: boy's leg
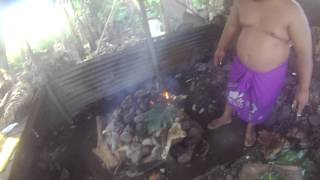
(250, 135)
(226, 118)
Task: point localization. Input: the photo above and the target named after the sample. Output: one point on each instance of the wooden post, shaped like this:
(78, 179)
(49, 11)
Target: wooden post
(75, 33)
(105, 27)
(154, 60)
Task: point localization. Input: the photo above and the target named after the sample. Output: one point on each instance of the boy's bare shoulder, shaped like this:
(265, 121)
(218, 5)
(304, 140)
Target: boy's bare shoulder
(294, 8)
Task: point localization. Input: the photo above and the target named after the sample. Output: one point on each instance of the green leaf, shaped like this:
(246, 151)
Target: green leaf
(290, 157)
(272, 175)
(159, 117)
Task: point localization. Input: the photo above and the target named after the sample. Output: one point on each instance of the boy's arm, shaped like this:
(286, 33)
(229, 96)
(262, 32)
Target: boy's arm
(231, 28)
(300, 35)
(229, 32)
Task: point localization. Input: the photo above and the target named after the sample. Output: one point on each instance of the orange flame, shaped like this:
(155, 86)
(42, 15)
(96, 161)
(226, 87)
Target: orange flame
(166, 95)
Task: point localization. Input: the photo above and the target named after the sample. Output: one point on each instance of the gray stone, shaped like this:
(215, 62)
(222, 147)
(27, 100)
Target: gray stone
(147, 142)
(194, 107)
(127, 102)
(229, 177)
(314, 120)
(134, 153)
(141, 129)
(146, 150)
(304, 143)
(155, 155)
(185, 125)
(186, 157)
(126, 137)
(141, 93)
(114, 140)
(162, 170)
(140, 118)
(138, 111)
(143, 107)
(65, 174)
(195, 132)
(117, 126)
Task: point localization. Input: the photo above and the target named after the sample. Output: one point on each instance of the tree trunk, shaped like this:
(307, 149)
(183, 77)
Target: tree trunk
(105, 28)
(87, 34)
(85, 30)
(75, 33)
(31, 55)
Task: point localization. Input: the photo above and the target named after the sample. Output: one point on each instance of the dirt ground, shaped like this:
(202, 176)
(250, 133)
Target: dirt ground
(73, 158)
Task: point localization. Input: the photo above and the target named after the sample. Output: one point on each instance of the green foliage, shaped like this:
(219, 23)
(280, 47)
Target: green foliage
(272, 175)
(198, 4)
(297, 158)
(16, 63)
(160, 117)
(290, 157)
(92, 12)
(153, 9)
(45, 44)
(125, 16)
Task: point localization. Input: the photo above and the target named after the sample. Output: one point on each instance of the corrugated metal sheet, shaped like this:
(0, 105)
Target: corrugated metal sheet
(106, 75)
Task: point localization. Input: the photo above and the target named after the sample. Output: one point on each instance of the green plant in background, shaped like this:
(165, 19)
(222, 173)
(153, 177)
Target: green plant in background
(45, 44)
(272, 175)
(290, 157)
(126, 16)
(89, 18)
(297, 158)
(153, 9)
(16, 63)
(92, 12)
(198, 4)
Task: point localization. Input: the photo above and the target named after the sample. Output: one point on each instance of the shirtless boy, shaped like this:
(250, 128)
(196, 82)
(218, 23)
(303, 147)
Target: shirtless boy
(265, 29)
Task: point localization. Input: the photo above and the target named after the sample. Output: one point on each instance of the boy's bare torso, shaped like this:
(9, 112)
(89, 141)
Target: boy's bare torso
(264, 41)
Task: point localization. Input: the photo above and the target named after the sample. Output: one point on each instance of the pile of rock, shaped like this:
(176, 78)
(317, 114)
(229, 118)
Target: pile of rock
(205, 86)
(144, 128)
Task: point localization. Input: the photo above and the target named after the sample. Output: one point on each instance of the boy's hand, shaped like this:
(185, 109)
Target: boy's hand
(300, 101)
(218, 57)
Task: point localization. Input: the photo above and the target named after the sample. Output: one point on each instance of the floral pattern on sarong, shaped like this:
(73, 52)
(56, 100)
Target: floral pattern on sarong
(236, 98)
(246, 86)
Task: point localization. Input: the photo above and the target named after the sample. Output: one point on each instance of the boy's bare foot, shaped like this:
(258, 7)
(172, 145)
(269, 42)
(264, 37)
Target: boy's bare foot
(251, 136)
(219, 122)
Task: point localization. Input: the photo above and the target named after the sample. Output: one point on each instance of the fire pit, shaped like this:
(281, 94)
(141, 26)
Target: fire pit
(144, 128)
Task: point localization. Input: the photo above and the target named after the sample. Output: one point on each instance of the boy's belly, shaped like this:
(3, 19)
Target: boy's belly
(261, 52)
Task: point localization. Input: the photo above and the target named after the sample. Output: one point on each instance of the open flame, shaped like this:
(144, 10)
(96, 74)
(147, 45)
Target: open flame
(165, 94)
